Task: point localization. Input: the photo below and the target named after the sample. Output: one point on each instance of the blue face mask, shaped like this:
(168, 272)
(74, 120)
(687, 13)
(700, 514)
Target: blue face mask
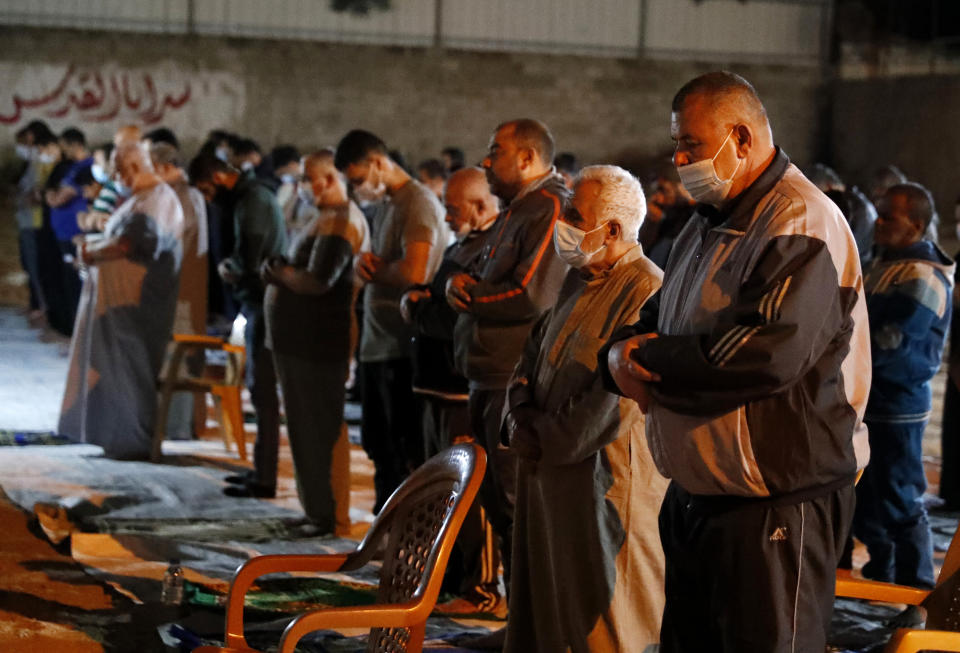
(99, 174)
(122, 189)
(288, 179)
(306, 194)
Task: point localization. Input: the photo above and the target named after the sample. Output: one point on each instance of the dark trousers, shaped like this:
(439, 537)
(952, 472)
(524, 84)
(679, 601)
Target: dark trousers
(950, 446)
(499, 488)
(71, 279)
(750, 577)
(261, 380)
(891, 519)
(313, 396)
(50, 276)
(30, 260)
(390, 430)
(473, 567)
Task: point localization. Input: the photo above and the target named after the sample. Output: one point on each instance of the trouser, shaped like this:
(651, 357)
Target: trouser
(390, 430)
(890, 518)
(313, 396)
(950, 445)
(50, 275)
(71, 278)
(748, 576)
(474, 561)
(30, 260)
(498, 490)
(261, 380)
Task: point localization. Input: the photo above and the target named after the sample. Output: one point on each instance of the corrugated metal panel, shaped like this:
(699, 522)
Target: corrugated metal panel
(132, 15)
(785, 31)
(574, 26)
(408, 22)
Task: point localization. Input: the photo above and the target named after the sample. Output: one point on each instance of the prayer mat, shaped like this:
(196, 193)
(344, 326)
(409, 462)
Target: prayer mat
(10, 438)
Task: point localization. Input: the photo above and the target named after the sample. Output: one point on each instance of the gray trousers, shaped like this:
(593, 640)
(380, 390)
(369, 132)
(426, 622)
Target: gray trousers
(313, 396)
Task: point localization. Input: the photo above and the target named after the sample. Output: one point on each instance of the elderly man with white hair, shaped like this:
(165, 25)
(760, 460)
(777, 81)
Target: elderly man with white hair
(125, 315)
(588, 492)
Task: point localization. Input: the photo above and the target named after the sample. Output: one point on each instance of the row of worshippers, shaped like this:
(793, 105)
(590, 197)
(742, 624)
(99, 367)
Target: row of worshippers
(545, 333)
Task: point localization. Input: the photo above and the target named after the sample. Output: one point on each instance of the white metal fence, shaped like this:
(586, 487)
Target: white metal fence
(781, 31)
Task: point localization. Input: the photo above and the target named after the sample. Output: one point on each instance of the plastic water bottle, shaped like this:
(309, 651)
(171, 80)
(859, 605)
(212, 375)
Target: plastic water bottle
(171, 593)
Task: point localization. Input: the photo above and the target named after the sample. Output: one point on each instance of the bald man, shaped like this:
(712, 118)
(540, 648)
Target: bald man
(443, 391)
(311, 331)
(755, 370)
(125, 316)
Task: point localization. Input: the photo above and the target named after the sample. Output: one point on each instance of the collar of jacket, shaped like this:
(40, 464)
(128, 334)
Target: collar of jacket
(244, 181)
(628, 257)
(923, 250)
(739, 213)
(537, 183)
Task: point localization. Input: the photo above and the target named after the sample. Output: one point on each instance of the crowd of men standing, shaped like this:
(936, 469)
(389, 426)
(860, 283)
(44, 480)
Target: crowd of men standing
(673, 393)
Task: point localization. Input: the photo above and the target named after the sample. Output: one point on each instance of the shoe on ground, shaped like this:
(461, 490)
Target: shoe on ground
(465, 607)
(239, 479)
(250, 491)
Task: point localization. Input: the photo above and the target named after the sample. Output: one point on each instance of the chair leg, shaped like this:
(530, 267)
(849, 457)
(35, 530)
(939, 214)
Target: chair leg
(233, 416)
(415, 645)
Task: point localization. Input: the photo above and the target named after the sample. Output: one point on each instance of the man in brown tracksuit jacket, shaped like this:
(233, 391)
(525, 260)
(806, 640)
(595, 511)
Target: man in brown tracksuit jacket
(516, 278)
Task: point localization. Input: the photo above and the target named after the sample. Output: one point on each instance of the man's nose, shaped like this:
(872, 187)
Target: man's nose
(486, 162)
(681, 158)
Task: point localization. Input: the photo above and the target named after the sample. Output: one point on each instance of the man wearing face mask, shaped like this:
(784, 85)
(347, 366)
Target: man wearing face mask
(515, 279)
(259, 234)
(755, 370)
(587, 488)
(408, 239)
(125, 316)
(312, 292)
(442, 390)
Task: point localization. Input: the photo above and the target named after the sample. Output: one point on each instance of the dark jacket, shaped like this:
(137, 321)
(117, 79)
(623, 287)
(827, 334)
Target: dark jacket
(259, 233)
(519, 275)
(909, 300)
(763, 346)
(434, 370)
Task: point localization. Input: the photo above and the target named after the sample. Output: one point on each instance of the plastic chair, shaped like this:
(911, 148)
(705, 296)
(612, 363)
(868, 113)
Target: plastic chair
(420, 522)
(908, 640)
(225, 387)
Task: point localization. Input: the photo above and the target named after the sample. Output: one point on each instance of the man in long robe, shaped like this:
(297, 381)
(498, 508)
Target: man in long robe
(125, 316)
(587, 562)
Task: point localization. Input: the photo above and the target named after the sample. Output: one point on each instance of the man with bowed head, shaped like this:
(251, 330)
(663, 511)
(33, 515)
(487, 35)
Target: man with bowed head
(515, 279)
(755, 370)
(587, 488)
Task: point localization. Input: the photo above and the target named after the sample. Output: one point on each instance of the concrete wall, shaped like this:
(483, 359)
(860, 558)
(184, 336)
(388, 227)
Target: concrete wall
(911, 122)
(419, 100)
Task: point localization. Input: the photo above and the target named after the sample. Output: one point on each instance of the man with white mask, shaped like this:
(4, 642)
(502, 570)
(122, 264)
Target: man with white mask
(755, 370)
(587, 488)
(408, 237)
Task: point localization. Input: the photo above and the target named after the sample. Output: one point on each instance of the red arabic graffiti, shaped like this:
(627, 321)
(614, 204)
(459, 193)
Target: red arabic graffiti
(99, 97)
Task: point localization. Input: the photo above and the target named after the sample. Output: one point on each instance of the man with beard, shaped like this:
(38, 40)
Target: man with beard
(515, 279)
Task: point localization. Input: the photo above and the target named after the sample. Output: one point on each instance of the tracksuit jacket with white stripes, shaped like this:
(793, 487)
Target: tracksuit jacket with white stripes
(763, 347)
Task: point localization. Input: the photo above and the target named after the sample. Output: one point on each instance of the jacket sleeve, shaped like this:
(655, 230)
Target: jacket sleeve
(523, 294)
(785, 316)
(647, 323)
(900, 322)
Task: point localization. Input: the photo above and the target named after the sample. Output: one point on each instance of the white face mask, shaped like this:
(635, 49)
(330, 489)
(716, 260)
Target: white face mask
(99, 174)
(222, 153)
(306, 194)
(246, 165)
(25, 152)
(567, 240)
(370, 192)
(702, 182)
(288, 179)
(46, 157)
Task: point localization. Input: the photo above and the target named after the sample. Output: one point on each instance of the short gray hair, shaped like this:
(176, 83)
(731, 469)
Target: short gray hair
(621, 197)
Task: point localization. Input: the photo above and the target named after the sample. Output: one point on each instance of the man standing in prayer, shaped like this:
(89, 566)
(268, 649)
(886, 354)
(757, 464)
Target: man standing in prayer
(587, 488)
(755, 369)
(125, 315)
(408, 239)
(312, 331)
(515, 279)
(260, 234)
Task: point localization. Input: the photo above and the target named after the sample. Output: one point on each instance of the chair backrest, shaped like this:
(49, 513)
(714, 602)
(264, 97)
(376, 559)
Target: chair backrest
(420, 522)
(943, 603)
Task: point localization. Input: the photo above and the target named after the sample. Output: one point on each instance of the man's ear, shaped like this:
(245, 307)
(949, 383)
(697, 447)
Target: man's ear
(743, 138)
(614, 230)
(526, 157)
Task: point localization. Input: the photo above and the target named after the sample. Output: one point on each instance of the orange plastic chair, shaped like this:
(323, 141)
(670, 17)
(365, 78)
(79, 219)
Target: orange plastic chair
(225, 386)
(909, 640)
(419, 522)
